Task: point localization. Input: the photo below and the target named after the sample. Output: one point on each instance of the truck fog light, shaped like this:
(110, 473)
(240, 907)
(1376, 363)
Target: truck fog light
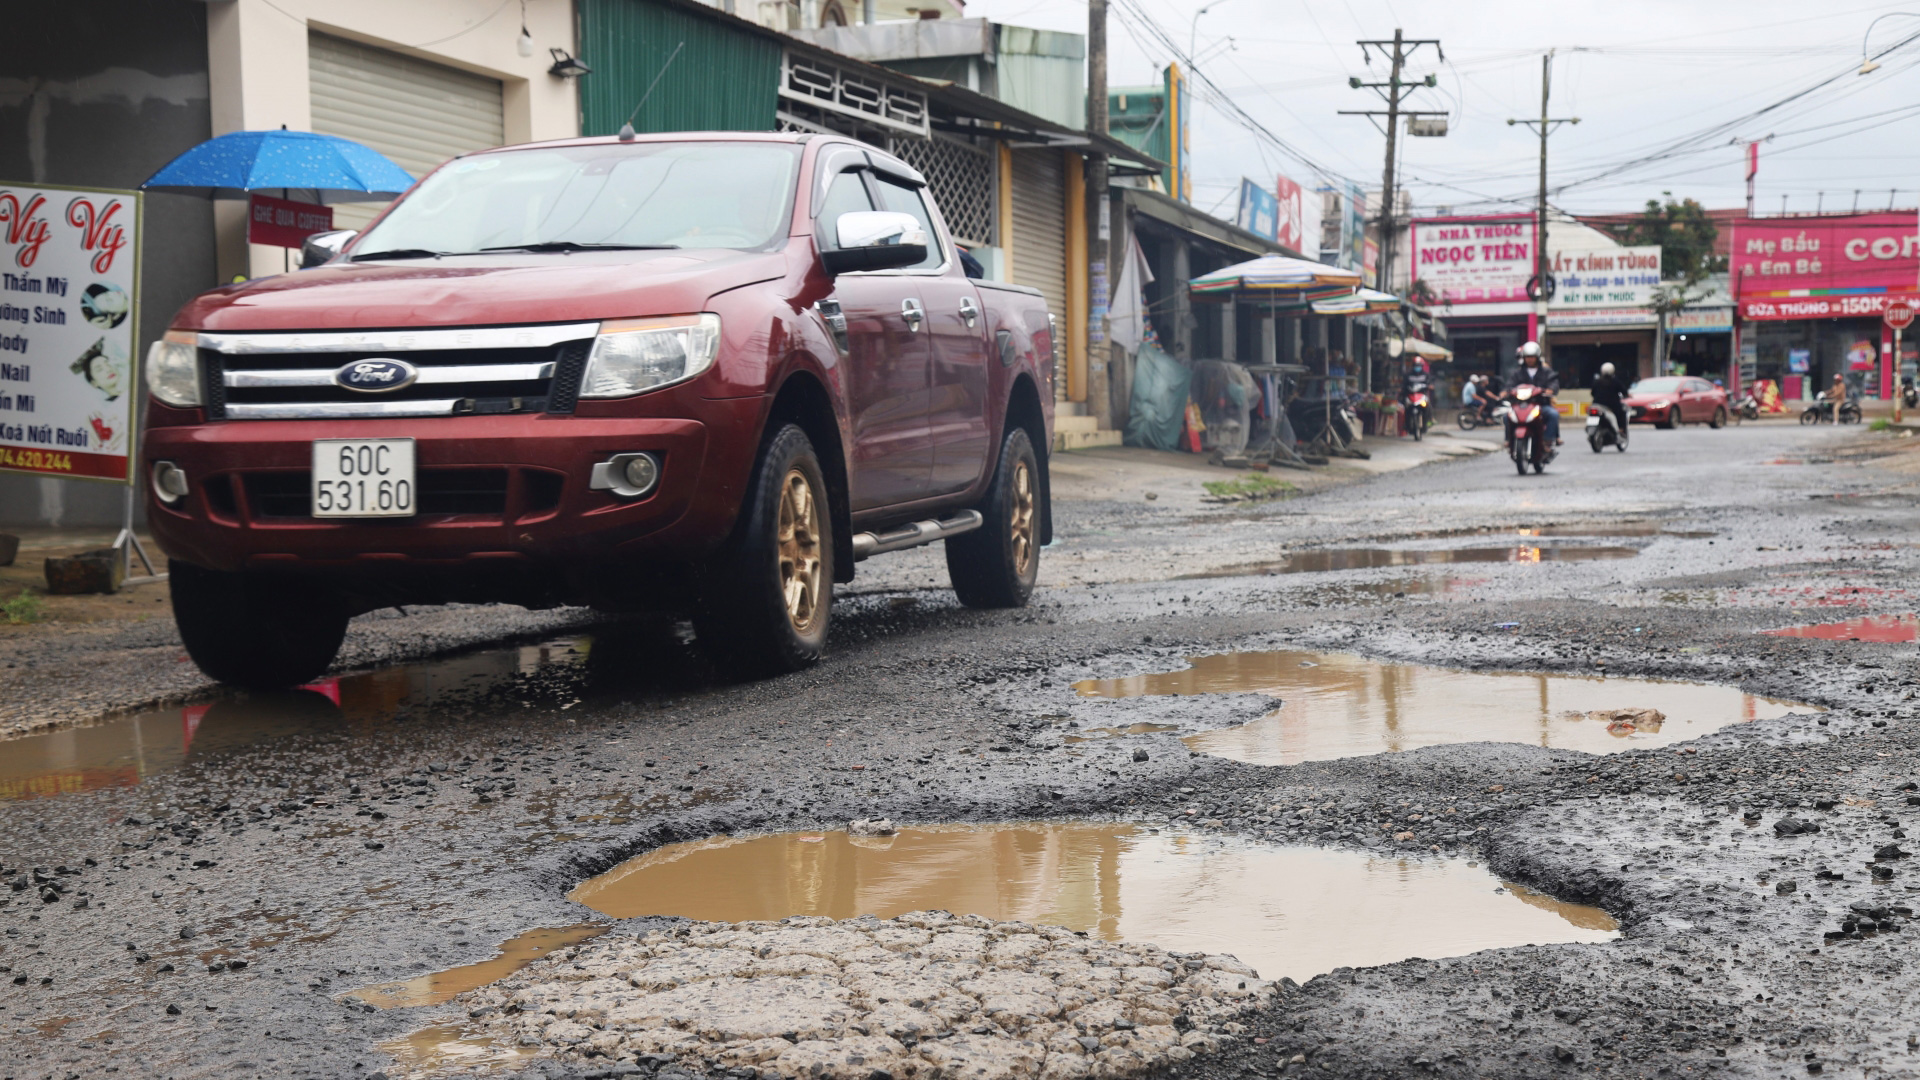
(642, 472)
(169, 482)
(630, 475)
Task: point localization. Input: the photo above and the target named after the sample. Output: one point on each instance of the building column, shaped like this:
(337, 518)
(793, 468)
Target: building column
(257, 81)
(1077, 309)
(1005, 207)
(1230, 329)
(1182, 301)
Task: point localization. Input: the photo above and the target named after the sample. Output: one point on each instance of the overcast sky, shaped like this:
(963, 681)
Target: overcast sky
(1642, 76)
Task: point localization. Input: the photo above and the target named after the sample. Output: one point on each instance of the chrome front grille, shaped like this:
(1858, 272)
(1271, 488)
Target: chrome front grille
(487, 371)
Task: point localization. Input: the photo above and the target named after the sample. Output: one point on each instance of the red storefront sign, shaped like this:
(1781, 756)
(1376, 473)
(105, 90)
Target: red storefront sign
(1824, 267)
(281, 223)
(1474, 260)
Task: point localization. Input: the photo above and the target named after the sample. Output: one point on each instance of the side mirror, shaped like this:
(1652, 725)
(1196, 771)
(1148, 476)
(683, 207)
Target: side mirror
(322, 247)
(875, 240)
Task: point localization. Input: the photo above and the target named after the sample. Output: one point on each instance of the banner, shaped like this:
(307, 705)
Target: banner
(1604, 277)
(1353, 228)
(69, 315)
(1259, 211)
(1473, 260)
(1823, 267)
(1292, 218)
(282, 223)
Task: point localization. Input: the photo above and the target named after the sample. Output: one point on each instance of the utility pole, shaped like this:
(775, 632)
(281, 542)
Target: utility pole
(1100, 231)
(1394, 92)
(1541, 287)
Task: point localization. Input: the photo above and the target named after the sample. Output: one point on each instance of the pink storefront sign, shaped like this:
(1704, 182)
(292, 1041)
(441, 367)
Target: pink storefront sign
(1824, 267)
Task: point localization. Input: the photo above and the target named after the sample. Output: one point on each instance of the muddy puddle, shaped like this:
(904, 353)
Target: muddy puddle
(1337, 705)
(1287, 910)
(121, 751)
(1336, 559)
(444, 1046)
(1885, 629)
(437, 987)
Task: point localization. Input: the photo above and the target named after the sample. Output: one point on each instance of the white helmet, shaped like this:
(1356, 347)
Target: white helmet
(1531, 350)
(1606, 369)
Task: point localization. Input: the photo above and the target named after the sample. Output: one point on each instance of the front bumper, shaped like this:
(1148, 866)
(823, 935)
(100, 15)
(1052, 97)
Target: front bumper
(506, 494)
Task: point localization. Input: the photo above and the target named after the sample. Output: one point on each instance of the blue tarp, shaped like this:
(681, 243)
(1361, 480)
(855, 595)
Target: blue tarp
(1159, 408)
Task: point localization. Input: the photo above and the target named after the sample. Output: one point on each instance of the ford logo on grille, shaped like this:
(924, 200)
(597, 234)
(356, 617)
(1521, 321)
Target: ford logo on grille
(376, 374)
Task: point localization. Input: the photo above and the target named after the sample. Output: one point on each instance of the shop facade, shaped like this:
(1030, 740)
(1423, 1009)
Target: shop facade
(1810, 293)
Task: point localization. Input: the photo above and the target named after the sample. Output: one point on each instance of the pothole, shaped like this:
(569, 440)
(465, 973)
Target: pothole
(1291, 911)
(1336, 559)
(1337, 705)
(1886, 629)
(438, 987)
(122, 751)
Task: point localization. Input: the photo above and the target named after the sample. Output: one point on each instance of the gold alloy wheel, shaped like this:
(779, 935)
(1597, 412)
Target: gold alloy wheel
(800, 551)
(1020, 519)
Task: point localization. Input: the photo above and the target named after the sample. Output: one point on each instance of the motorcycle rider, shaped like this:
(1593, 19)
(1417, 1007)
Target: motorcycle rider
(1835, 394)
(1608, 392)
(1418, 380)
(1534, 372)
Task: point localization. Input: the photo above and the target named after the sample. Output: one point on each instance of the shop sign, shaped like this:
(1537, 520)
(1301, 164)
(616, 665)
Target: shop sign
(1799, 361)
(69, 289)
(1353, 228)
(1604, 277)
(284, 223)
(1292, 215)
(1473, 260)
(1701, 320)
(1823, 267)
(1561, 319)
(1861, 355)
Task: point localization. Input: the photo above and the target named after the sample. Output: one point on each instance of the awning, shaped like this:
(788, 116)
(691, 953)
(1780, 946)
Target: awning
(1425, 350)
(1282, 275)
(1359, 302)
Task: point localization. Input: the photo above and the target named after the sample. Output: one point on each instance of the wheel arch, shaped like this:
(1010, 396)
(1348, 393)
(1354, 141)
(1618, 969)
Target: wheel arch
(803, 400)
(1024, 412)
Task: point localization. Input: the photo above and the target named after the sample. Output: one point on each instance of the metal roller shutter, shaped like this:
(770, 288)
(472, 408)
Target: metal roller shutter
(415, 112)
(1039, 242)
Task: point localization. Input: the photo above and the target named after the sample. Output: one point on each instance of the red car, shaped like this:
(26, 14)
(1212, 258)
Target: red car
(699, 373)
(1676, 399)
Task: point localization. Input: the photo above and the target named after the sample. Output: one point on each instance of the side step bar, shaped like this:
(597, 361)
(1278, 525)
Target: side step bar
(920, 532)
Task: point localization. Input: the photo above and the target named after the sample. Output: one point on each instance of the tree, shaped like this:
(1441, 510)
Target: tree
(1684, 233)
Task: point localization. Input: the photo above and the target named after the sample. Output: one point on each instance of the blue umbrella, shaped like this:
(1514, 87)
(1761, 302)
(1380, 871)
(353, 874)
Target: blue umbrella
(337, 170)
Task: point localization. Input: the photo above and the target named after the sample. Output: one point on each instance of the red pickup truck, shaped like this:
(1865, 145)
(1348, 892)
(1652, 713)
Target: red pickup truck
(695, 373)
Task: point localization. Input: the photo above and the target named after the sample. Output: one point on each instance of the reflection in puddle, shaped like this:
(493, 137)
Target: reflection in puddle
(1878, 628)
(1337, 705)
(441, 986)
(1321, 561)
(1627, 528)
(443, 1046)
(1288, 911)
(122, 751)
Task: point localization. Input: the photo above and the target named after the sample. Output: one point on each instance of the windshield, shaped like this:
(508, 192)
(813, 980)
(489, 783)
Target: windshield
(688, 195)
(1655, 386)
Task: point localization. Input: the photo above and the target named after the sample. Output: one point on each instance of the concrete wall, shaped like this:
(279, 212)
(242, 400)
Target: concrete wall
(99, 93)
(257, 65)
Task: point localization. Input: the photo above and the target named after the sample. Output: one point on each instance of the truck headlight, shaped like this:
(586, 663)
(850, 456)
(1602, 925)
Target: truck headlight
(635, 355)
(173, 369)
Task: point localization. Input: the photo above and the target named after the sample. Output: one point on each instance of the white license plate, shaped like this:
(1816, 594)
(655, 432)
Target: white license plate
(360, 478)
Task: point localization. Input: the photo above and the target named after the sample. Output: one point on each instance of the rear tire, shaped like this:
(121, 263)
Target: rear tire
(1594, 441)
(769, 594)
(256, 633)
(995, 565)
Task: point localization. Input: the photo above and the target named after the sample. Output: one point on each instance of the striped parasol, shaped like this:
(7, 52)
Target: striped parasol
(1268, 275)
(1358, 302)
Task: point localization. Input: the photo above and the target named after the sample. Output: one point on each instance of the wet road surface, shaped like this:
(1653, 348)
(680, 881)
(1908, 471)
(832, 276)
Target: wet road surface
(198, 891)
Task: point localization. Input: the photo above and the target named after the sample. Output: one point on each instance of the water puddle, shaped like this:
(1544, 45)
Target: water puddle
(1622, 529)
(1336, 559)
(1292, 911)
(1337, 705)
(437, 987)
(442, 1046)
(1887, 629)
(122, 751)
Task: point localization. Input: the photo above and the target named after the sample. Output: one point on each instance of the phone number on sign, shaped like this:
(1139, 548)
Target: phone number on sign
(35, 459)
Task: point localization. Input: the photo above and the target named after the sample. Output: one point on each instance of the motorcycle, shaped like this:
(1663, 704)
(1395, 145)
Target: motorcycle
(1603, 429)
(1527, 430)
(1419, 413)
(1823, 412)
(1910, 396)
(1749, 407)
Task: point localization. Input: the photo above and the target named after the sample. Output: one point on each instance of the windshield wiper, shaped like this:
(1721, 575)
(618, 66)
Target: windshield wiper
(569, 245)
(399, 253)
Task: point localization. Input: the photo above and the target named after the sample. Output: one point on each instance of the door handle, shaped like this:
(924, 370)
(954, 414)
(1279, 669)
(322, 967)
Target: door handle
(969, 310)
(911, 311)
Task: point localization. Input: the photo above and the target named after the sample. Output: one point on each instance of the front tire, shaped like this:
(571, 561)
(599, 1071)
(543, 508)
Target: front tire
(996, 565)
(1522, 450)
(256, 633)
(1809, 417)
(1719, 419)
(769, 594)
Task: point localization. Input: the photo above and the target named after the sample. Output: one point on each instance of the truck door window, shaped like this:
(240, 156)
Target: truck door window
(846, 194)
(902, 199)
